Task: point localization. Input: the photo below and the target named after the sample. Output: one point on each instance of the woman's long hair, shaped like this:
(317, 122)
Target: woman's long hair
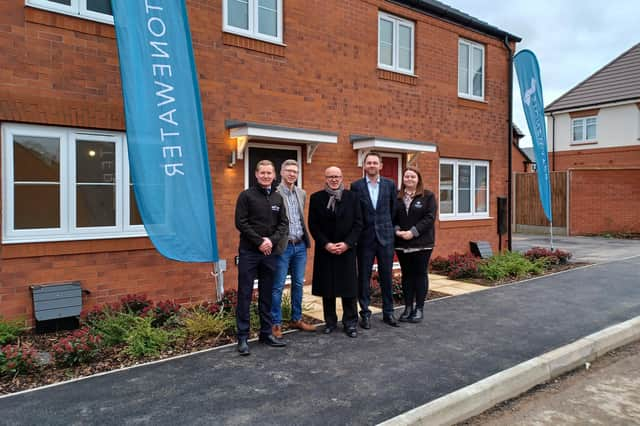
(419, 186)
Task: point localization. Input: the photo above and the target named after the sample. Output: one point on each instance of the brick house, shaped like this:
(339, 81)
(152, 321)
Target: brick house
(594, 135)
(322, 82)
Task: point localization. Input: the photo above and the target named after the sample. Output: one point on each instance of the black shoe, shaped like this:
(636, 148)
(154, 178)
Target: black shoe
(328, 329)
(243, 346)
(406, 314)
(351, 332)
(416, 316)
(272, 341)
(365, 323)
(390, 320)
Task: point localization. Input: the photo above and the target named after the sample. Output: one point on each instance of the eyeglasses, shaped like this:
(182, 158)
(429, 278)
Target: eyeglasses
(333, 177)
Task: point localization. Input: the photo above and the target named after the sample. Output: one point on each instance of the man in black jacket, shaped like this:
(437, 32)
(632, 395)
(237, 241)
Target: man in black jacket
(262, 221)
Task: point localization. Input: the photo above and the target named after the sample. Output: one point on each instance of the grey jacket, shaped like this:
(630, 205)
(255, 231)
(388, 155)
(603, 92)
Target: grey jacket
(302, 198)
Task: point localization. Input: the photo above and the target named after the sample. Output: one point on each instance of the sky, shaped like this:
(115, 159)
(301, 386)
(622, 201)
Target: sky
(571, 38)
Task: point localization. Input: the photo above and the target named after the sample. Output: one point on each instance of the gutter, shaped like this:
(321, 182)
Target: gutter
(510, 138)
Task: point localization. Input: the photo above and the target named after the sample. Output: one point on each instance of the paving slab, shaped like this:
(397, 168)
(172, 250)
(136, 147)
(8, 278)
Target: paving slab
(320, 380)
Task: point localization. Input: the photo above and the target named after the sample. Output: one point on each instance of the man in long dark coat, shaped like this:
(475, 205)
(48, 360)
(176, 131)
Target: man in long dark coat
(335, 222)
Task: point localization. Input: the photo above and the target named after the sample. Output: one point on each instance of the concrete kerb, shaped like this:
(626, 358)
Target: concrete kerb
(484, 394)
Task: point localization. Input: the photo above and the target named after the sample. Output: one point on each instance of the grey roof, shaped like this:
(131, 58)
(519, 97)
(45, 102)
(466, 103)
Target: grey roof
(517, 130)
(617, 81)
(448, 13)
(528, 152)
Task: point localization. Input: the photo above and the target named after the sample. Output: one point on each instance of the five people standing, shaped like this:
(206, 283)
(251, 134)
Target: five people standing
(351, 229)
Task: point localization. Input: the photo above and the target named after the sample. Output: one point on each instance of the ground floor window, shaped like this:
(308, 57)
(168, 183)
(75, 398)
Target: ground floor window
(275, 153)
(464, 189)
(63, 184)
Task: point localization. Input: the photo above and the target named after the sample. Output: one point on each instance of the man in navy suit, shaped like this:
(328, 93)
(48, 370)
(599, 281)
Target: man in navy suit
(377, 196)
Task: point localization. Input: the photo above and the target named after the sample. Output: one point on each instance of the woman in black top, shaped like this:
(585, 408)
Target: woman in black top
(415, 235)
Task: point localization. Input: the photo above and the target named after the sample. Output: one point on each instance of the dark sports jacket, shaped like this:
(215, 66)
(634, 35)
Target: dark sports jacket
(420, 219)
(259, 215)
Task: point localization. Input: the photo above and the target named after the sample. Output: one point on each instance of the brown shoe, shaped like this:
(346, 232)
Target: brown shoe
(301, 325)
(276, 330)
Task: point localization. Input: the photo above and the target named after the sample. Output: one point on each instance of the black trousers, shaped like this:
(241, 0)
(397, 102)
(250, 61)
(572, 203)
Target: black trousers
(252, 264)
(415, 281)
(349, 311)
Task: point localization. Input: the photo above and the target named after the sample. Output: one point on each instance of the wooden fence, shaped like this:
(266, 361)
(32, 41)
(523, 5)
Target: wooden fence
(528, 208)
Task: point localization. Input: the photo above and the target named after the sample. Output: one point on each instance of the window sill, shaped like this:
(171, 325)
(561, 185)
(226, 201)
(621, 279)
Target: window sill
(257, 45)
(60, 248)
(466, 222)
(77, 23)
(583, 143)
(397, 76)
(472, 102)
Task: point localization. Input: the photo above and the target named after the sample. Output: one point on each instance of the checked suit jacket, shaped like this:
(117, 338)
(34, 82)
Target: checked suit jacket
(377, 221)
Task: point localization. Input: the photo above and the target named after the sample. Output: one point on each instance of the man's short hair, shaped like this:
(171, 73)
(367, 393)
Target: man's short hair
(288, 162)
(265, 163)
(374, 153)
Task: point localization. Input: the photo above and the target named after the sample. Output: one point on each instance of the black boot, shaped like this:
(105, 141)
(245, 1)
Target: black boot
(406, 314)
(416, 316)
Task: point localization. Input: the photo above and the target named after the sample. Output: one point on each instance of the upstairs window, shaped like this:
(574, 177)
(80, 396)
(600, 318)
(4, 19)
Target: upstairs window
(261, 19)
(395, 44)
(66, 184)
(96, 10)
(584, 129)
(470, 70)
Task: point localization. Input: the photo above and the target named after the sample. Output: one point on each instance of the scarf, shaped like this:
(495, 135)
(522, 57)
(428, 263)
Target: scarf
(335, 195)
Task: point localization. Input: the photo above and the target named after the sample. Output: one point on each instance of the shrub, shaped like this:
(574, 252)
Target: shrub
(114, 326)
(462, 266)
(440, 264)
(202, 324)
(18, 359)
(145, 340)
(137, 304)
(79, 347)
(510, 264)
(555, 257)
(286, 307)
(396, 285)
(165, 313)
(9, 331)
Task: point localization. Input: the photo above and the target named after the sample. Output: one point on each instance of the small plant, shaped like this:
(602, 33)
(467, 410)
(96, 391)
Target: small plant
(10, 331)
(136, 304)
(440, 264)
(114, 327)
(396, 285)
(462, 266)
(165, 313)
(554, 257)
(202, 324)
(144, 339)
(510, 264)
(18, 359)
(80, 347)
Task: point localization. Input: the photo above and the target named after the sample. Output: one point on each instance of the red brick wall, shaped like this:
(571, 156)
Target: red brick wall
(604, 200)
(628, 156)
(325, 78)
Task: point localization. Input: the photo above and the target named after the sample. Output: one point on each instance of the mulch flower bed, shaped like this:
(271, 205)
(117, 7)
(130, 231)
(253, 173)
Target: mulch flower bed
(43, 359)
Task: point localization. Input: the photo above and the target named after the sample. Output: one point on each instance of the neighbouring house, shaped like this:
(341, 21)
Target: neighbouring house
(322, 82)
(594, 136)
(523, 159)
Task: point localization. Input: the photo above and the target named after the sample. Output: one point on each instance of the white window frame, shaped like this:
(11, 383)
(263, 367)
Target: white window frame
(67, 230)
(252, 31)
(471, 45)
(78, 8)
(473, 214)
(298, 150)
(583, 124)
(397, 22)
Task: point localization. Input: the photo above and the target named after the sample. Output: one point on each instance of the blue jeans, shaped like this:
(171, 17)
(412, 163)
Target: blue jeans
(294, 258)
